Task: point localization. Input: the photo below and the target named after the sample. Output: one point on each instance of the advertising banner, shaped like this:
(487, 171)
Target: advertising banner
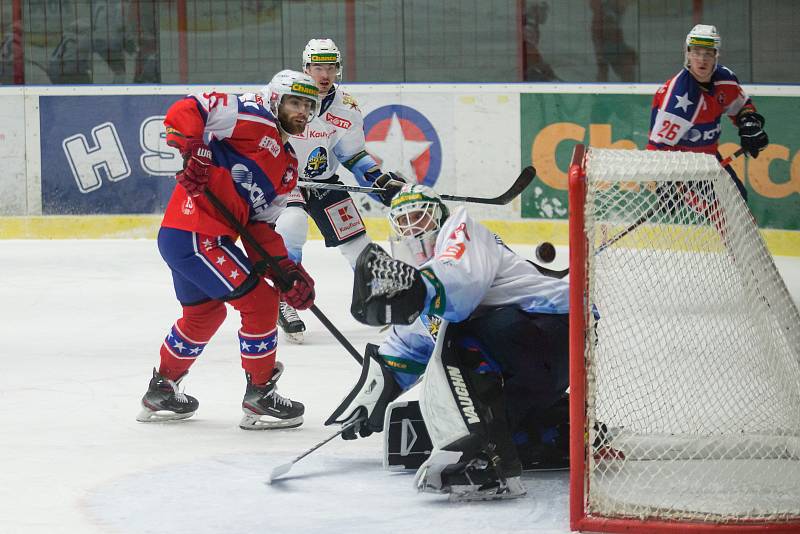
(461, 142)
(106, 154)
(552, 124)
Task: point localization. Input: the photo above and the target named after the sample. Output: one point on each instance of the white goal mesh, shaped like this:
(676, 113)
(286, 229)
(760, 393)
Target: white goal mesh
(692, 348)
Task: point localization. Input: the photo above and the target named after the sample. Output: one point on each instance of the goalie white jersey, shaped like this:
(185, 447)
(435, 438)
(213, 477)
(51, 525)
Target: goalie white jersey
(472, 271)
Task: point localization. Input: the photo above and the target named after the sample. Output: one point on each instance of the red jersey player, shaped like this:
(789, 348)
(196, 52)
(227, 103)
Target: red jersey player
(687, 108)
(237, 148)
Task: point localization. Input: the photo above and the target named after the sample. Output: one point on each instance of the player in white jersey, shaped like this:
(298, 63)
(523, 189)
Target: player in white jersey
(483, 324)
(335, 136)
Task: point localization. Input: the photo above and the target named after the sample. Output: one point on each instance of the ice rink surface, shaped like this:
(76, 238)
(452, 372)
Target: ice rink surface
(81, 324)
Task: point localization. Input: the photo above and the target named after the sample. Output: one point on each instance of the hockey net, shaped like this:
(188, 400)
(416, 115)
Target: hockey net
(685, 352)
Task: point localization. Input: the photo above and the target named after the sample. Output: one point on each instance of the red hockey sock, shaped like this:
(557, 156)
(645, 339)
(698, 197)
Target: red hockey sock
(189, 336)
(258, 337)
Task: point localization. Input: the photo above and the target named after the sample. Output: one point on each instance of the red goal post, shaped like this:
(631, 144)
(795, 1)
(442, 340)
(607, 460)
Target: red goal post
(684, 352)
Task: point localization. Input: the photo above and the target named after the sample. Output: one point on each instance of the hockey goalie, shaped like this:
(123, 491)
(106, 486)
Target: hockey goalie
(483, 329)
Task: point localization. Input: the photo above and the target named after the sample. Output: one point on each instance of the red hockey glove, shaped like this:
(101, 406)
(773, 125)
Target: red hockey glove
(301, 294)
(197, 158)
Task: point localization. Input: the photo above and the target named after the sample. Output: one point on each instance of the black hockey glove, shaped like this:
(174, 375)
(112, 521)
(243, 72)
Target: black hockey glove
(391, 182)
(751, 133)
(385, 290)
(367, 402)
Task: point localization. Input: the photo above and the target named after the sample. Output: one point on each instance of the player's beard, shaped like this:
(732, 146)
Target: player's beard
(290, 126)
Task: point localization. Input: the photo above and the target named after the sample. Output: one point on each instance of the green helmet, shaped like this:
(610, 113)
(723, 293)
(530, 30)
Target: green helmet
(416, 215)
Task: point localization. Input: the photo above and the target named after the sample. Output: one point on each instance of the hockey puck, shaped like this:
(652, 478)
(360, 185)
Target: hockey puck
(546, 252)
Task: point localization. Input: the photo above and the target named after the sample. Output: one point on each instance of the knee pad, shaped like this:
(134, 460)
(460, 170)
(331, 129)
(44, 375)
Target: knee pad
(462, 403)
(292, 225)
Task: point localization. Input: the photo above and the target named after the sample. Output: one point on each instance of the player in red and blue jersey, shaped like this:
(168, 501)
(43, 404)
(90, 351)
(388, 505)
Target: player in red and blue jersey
(687, 109)
(236, 147)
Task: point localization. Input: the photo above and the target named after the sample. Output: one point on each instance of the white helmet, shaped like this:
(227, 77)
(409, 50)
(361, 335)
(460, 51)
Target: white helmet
(704, 36)
(322, 51)
(416, 215)
(291, 83)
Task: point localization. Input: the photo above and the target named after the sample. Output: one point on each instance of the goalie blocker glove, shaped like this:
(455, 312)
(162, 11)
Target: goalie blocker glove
(385, 290)
(367, 402)
(751, 133)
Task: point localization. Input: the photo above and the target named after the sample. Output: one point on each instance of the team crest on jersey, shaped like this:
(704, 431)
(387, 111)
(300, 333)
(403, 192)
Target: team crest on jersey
(269, 143)
(338, 121)
(348, 100)
(290, 174)
(317, 162)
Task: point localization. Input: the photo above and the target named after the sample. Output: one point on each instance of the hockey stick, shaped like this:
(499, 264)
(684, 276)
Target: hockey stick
(652, 211)
(282, 469)
(523, 180)
(279, 273)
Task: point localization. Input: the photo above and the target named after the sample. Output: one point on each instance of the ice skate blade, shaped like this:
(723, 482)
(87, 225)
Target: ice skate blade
(162, 416)
(469, 493)
(294, 337)
(252, 421)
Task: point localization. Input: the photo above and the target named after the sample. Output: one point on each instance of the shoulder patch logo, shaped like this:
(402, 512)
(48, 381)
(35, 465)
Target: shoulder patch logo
(348, 100)
(188, 206)
(270, 144)
(338, 121)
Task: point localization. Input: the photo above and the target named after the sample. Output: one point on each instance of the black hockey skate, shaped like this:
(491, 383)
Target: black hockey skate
(165, 402)
(481, 479)
(264, 409)
(290, 323)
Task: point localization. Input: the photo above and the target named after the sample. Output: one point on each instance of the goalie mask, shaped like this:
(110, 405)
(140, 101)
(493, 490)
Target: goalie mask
(416, 216)
(290, 83)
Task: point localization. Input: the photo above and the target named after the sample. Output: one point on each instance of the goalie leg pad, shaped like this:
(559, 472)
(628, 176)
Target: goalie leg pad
(464, 413)
(407, 443)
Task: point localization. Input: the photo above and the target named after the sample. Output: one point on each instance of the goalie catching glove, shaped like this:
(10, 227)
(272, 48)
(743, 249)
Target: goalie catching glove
(366, 403)
(385, 290)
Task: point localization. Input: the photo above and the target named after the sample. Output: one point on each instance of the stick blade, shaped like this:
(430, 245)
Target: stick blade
(524, 180)
(279, 471)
